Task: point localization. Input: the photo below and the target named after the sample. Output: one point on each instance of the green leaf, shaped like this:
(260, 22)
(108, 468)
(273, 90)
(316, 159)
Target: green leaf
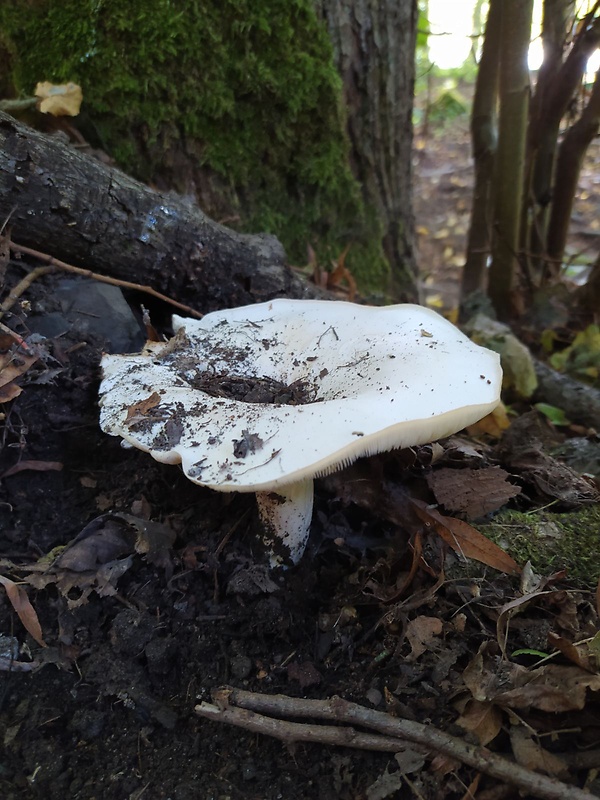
(554, 414)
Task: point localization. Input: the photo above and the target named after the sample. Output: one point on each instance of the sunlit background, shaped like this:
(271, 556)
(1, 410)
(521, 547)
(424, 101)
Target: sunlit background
(451, 26)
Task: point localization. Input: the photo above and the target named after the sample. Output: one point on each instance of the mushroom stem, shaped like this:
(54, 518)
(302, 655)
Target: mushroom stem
(285, 515)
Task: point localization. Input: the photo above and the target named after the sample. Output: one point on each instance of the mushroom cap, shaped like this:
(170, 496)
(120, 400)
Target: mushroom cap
(377, 378)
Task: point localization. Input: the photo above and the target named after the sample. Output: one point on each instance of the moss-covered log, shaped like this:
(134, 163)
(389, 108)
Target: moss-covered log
(96, 217)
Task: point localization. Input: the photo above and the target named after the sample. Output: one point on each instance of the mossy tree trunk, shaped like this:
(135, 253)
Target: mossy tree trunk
(510, 159)
(374, 46)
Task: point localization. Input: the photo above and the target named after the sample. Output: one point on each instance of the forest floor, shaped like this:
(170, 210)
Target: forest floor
(131, 595)
(442, 202)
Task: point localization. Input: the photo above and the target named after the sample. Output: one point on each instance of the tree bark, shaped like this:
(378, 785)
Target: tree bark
(569, 161)
(484, 138)
(93, 216)
(374, 47)
(557, 84)
(580, 401)
(509, 166)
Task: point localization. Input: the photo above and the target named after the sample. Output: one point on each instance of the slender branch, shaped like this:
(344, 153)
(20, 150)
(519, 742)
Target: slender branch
(54, 262)
(291, 732)
(342, 711)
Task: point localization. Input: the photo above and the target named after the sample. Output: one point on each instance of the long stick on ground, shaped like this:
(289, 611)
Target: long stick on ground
(342, 711)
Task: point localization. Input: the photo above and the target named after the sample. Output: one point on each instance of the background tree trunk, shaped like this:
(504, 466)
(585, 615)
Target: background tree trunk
(484, 138)
(509, 167)
(374, 47)
(571, 153)
(100, 219)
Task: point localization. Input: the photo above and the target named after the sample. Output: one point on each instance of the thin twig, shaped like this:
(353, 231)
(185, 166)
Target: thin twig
(55, 262)
(21, 287)
(342, 711)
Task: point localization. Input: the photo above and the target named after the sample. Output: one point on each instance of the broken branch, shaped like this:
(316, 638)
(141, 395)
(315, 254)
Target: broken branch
(400, 730)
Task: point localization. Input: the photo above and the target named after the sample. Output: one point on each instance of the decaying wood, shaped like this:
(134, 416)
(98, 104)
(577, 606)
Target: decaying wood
(97, 218)
(249, 709)
(581, 402)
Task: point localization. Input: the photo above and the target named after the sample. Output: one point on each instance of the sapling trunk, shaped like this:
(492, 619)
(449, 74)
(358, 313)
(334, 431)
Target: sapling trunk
(484, 136)
(509, 168)
(568, 168)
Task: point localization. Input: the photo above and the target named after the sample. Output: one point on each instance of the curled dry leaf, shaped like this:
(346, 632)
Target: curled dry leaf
(25, 611)
(466, 540)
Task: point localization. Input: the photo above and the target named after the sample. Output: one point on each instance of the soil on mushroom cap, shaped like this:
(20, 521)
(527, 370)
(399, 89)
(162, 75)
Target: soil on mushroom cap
(247, 389)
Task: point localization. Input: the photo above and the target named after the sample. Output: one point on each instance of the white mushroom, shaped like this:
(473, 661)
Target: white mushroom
(264, 398)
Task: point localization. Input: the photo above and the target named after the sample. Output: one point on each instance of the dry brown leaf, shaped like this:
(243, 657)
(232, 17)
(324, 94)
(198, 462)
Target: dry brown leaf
(473, 492)
(25, 611)
(421, 633)
(531, 755)
(482, 719)
(14, 363)
(466, 540)
(139, 410)
(579, 654)
(60, 100)
(493, 424)
(38, 466)
(9, 391)
(552, 687)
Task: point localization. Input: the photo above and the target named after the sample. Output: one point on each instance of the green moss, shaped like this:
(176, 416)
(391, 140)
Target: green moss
(248, 86)
(552, 541)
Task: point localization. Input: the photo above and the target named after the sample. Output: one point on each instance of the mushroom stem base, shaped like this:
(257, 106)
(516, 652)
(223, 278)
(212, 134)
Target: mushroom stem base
(285, 515)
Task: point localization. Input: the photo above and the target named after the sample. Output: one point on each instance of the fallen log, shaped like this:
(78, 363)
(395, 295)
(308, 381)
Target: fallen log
(581, 403)
(96, 217)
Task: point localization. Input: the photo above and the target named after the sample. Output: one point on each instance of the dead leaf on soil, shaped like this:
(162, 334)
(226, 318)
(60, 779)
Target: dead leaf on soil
(550, 687)
(422, 633)
(25, 611)
(14, 362)
(481, 718)
(466, 540)
(528, 753)
(37, 466)
(100, 554)
(508, 611)
(577, 653)
(473, 492)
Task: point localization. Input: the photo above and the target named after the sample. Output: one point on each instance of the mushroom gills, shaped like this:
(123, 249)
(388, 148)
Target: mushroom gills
(285, 516)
